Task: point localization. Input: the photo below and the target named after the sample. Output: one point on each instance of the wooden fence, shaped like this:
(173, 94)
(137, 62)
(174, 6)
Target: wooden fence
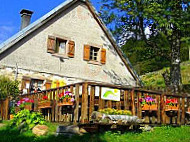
(88, 99)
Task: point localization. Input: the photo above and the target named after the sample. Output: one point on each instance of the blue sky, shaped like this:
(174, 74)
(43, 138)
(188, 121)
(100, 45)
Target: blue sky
(10, 17)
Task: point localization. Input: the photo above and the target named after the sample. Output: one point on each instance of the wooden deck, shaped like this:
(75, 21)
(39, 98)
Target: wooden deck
(88, 101)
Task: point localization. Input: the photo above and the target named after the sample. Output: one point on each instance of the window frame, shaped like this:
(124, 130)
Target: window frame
(91, 57)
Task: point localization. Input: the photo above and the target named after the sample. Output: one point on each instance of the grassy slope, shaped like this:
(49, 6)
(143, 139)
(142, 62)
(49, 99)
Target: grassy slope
(155, 78)
(160, 134)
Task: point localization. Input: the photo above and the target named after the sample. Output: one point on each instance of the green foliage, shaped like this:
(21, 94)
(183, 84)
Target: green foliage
(160, 134)
(8, 87)
(111, 111)
(155, 79)
(29, 119)
(168, 22)
(12, 110)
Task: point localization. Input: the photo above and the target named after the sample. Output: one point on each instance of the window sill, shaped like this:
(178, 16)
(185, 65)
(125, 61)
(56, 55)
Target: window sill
(60, 56)
(95, 63)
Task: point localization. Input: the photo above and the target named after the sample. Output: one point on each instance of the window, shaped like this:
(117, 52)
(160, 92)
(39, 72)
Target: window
(60, 46)
(94, 52)
(36, 85)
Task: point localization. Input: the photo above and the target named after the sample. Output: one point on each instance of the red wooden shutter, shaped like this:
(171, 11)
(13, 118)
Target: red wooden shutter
(51, 45)
(71, 50)
(86, 52)
(103, 56)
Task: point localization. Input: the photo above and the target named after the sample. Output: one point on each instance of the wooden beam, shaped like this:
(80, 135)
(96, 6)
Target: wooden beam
(183, 111)
(76, 110)
(158, 111)
(100, 99)
(163, 119)
(139, 109)
(84, 112)
(126, 100)
(92, 96)
(133, 101)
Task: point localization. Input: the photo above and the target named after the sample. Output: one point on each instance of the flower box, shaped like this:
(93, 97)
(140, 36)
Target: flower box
(154, 107)
(150, 107)
(66, 102)
(145, 107)
(171, 108)
(44, 104)
(28, 106)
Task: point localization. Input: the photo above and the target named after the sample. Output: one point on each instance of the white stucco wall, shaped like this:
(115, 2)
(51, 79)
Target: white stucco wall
(78, 24)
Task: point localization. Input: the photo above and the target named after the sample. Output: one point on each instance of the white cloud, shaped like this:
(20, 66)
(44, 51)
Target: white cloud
(6, 32)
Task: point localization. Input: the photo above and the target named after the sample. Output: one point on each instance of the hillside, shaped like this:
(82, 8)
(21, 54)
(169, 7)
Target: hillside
(155, 79)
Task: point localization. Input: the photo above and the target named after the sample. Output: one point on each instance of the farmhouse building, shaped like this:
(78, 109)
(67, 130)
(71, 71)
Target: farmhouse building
(69, 44)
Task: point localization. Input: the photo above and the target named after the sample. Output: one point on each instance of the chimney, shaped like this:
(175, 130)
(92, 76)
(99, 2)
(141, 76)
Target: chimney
(25, 18)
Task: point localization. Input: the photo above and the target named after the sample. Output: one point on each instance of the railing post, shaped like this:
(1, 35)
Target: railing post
(56, 105)
(159, 106)
(92, 96)
(84, 109)
(126, 100)
(183, 111)
(76, 110)
(101, 104)
(133, 101)
(163, 119)
(139, 110)
(179, 111)
(53, 105)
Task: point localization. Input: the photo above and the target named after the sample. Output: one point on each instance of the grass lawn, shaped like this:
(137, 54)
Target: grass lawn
(160, 134)
(156, 79)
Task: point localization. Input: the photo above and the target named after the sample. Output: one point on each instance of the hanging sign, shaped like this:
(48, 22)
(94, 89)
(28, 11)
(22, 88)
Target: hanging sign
(110, 94)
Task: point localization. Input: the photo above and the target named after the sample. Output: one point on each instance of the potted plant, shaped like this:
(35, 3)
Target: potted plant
(25, 103)
(44, 102)
(171, 104)
(148, 103)
(66, 98)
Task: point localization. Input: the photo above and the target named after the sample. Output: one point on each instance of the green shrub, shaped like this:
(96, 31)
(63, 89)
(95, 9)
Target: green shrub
(27, 118)
(8, 87)
(111, 111)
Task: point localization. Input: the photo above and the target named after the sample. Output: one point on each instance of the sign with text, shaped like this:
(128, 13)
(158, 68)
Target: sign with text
(110, 94)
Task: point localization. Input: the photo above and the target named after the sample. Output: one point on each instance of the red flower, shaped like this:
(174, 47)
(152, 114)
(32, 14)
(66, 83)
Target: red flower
(45, 97)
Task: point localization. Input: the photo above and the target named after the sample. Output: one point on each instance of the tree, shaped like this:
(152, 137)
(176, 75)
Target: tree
(168, 19)
(8, 87)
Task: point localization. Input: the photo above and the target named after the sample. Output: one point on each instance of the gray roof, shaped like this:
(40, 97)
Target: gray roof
(32, 27)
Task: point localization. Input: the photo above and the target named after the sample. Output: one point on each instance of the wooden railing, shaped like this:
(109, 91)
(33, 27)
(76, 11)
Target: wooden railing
(87, 100)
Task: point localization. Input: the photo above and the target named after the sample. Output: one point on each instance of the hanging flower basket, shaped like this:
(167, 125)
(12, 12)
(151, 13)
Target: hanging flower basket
(148, 103)
(171, 108)
(66, 99)
(66, 102)
(24, 103)
(172, 105)
(28, 106)
(145, 107)
(154, 107)
(44, 104)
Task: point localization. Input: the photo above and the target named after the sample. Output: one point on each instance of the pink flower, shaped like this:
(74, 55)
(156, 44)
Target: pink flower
(72, 99)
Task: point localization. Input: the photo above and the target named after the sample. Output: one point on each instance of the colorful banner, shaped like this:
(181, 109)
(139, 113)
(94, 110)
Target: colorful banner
(110, 94)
